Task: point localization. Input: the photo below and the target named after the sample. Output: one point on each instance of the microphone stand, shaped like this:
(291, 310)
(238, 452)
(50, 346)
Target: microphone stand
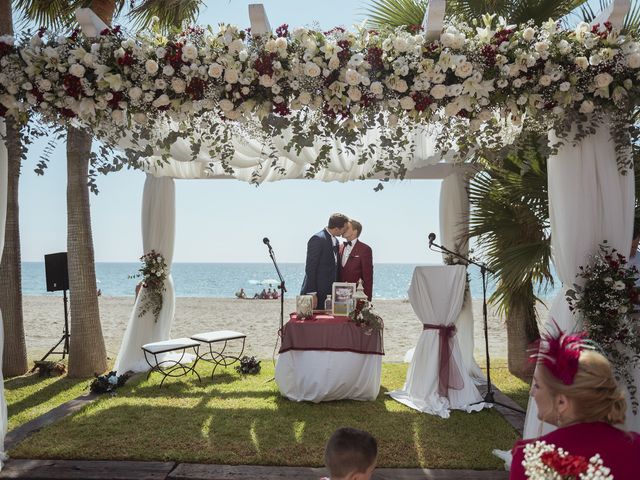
(281, 286)
(489, 396)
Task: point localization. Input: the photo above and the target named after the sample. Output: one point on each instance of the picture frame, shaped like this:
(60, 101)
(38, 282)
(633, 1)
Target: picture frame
(342, 294)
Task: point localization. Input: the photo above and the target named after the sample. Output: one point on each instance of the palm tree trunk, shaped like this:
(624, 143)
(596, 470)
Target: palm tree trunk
(522, 331)
(14, 358)
(87, 354)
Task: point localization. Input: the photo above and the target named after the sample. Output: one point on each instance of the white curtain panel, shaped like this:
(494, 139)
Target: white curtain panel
(436, 295)
(454, 231)
(158, 233)
(589, 201)
(4, 172)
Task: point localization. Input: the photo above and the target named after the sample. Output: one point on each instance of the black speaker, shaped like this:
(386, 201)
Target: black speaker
(57, 272)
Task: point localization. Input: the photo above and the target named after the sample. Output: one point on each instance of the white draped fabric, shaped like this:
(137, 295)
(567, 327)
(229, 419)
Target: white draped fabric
(158, 233)
(436, 294)
(589, 201)
(319, 376)
(251, 157)
(4, 176)
(454, 230)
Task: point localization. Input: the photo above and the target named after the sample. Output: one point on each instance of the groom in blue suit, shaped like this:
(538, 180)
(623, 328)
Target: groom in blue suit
(321, 269)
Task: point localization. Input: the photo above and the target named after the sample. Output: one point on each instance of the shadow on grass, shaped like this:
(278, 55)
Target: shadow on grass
(37, 396)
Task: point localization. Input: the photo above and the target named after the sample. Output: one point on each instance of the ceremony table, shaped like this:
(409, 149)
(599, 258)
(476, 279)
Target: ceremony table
(327, 358)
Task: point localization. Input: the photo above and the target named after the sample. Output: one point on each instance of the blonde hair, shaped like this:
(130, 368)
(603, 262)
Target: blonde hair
(596, 395)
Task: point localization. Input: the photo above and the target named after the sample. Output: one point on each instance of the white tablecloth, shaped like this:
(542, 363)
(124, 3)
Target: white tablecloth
(321, 376)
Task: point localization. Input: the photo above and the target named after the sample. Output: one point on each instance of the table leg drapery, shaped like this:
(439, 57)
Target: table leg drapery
(436, 295)
(4, 172)
(158, 233)
(590, 201)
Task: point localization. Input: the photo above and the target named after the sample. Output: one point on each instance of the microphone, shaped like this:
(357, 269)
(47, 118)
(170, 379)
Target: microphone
(265, 240)
(432, 237)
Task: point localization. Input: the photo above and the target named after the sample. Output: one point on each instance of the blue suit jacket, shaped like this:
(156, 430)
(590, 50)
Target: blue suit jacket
(321, 269)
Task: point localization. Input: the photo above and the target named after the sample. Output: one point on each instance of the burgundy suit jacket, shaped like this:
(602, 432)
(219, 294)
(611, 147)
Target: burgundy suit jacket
(359, 266)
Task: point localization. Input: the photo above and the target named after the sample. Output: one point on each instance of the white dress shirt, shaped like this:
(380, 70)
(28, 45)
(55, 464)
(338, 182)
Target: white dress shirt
(347, 251)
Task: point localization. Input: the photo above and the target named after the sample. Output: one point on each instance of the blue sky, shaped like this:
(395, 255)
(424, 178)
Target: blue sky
(225, 220)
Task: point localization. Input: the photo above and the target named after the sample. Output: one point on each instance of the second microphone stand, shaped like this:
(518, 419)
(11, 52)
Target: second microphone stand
(489, 396)
(281, 286)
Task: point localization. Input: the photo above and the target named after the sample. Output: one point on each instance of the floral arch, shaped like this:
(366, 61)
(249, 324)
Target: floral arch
(341, 105)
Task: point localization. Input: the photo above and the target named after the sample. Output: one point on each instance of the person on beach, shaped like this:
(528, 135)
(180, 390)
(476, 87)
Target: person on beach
(356, 258)
(575, 389)
(350, 454)
(321, 268)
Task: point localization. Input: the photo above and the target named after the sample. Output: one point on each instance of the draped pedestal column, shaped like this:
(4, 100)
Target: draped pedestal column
(589, 201)
(158, 233)
(454, 234)
(4, 172)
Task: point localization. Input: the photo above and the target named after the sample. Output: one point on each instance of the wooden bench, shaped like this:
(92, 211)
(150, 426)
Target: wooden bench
(171, 367)
(219, 356)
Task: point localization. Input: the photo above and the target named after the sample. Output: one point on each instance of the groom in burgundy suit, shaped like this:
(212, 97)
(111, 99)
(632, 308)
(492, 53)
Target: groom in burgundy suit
(356, 258)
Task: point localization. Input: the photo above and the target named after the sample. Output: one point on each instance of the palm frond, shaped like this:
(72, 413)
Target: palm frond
(53, 14)
(383, 14)
(170, 13)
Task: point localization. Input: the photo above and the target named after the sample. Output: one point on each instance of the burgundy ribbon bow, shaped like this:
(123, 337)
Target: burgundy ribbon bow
(449, 376)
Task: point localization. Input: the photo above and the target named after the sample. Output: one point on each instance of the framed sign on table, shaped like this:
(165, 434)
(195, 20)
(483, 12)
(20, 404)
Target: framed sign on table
(343, 298)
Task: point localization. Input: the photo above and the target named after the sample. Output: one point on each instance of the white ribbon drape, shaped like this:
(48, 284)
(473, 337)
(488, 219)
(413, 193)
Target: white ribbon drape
(4, 177)
(589, 201)
(454, 231)
(436, 295)
(158, 233)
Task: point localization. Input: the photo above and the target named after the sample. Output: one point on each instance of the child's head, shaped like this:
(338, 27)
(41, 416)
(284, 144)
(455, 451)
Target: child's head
(351, 454)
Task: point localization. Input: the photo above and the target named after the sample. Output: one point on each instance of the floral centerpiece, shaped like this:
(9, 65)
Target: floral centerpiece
(606, 297)
(366, 317)
(108, 383)
(544, 461)
(154, 272)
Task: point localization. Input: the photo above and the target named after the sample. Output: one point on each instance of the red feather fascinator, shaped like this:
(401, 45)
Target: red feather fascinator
(560, 353)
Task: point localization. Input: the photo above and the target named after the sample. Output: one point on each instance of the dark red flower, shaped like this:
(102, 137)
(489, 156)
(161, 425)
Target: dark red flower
(72, 86)
(195, 89)
(282, 30)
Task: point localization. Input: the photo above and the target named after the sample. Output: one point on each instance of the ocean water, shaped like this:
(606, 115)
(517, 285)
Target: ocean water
(222, 280)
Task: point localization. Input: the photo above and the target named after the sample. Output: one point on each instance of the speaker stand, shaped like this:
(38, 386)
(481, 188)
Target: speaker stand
(65, 334)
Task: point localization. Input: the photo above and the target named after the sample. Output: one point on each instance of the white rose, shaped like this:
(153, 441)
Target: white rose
(114, 81)
(582, 62)
(161, 101)
(633, 60)
(352, 76)
(311, 69)
(270, 46)
(178, 85)
(226, 105)
(168, 70)
(305, 98)
(464, 69)
(44, 85)
(354, 94)
(160, 52)
(281, 43)
(77, 70)
(545, 80)
(151, 66)
(400, 44)
(140, 118)
(517, 83)
(485, 116)
(266, 81)
(190, 51)
(454, 90)
(215, 70)
(619, 285)
(447, 39)
(334, 62)
(231, 75)
(595, 60)
(438, 92)
(376, 88)
(243, 55)
(400, 86)
(528, 34)
(603, 80)
(541, 47)
(118, 117)
(558, 110)
(89, 59)
(160, 84)
(135, 93)
(586, 106)
(564, 47)
(565, 86)
(232, 114)
(407, 103)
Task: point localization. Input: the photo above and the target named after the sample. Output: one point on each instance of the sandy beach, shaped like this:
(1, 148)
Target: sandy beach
(259, 319)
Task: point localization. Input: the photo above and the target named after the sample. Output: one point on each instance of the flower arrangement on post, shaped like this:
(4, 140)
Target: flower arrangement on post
(154, 272)
(607, 297)
(109, 382)
(544, 461)
(366, 317)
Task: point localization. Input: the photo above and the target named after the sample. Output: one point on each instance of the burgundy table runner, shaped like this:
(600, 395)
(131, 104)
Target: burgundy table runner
(326, 332)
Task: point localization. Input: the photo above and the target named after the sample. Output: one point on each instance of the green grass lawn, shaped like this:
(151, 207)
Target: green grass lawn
(244, 420)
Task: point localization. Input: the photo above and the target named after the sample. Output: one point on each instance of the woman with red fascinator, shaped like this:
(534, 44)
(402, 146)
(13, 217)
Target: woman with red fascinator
(574, 389)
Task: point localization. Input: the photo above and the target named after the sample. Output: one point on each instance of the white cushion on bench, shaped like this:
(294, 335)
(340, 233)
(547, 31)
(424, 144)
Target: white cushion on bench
(169, 345)
(220, 335)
